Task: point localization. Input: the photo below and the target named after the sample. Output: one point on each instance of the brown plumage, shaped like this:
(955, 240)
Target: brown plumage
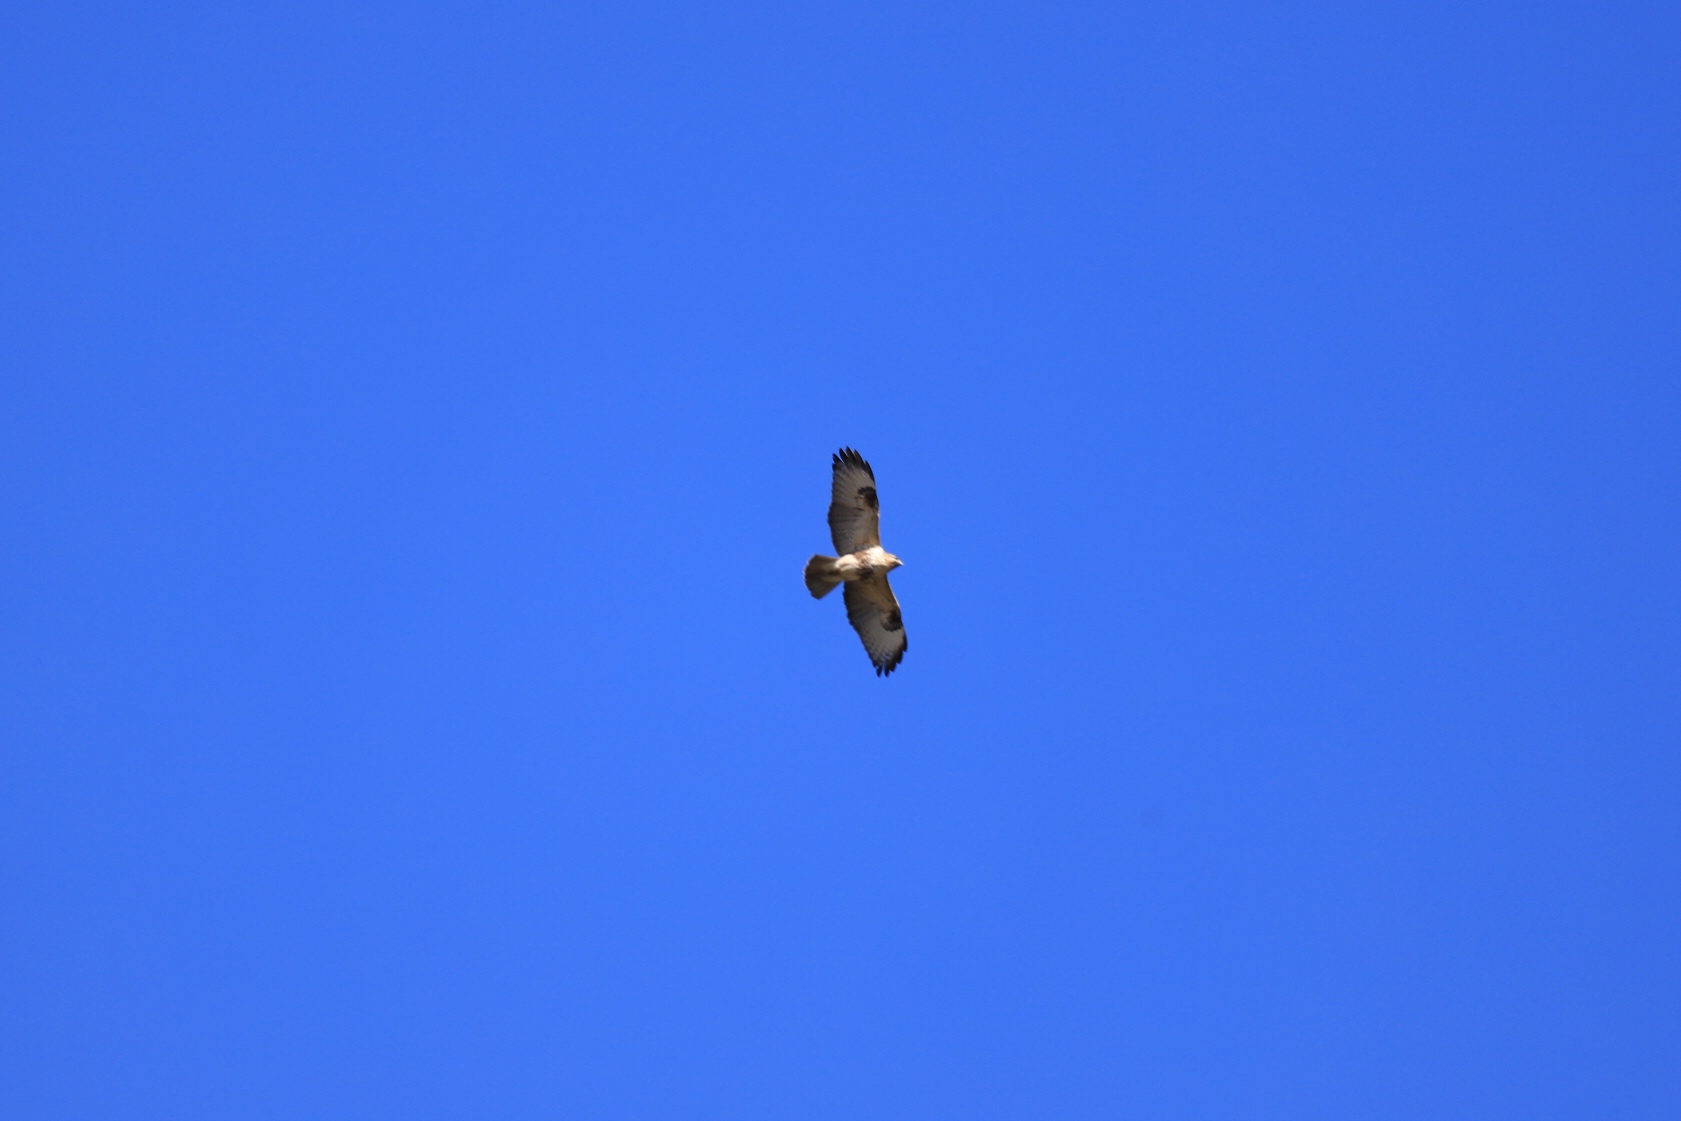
(863, 565)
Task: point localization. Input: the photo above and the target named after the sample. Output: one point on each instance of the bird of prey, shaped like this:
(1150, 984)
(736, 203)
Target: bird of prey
(863, 565)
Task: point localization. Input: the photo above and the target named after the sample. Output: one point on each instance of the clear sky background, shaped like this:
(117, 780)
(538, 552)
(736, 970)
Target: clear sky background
(414, 420)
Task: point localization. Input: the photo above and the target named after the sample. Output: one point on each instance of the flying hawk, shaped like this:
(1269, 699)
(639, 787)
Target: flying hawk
(863, 565)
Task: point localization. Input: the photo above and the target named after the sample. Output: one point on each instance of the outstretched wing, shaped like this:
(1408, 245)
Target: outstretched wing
(854, 513)
(874, 613)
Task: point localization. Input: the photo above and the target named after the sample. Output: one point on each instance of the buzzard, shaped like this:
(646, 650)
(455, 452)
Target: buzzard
(863, 565)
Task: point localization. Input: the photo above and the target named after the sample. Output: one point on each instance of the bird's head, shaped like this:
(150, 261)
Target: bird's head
(894, 562)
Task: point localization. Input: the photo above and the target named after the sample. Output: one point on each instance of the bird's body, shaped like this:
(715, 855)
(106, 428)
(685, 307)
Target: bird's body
(863, 565)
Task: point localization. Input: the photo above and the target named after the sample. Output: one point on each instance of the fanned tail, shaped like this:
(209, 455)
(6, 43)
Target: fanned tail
(822, 575)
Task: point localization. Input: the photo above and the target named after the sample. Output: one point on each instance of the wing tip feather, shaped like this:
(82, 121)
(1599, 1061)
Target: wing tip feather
(849, 457)
(885, 668)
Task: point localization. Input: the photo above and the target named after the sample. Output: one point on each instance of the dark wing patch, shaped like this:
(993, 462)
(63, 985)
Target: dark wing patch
(854, 510)
(873, 611)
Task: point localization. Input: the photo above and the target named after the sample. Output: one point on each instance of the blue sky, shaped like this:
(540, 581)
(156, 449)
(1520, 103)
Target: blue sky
(415, 420)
